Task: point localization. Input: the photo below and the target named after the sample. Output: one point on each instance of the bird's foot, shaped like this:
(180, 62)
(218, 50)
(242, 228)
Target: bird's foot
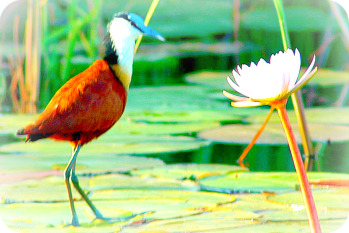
(74, 223)
(118, 219)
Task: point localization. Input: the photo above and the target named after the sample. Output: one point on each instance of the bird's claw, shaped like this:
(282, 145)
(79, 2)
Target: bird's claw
(120, 219)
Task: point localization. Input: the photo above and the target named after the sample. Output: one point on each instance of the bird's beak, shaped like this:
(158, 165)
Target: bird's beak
(151, 32)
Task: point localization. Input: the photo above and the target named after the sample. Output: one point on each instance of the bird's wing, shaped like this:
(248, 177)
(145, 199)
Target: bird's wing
(91, 101)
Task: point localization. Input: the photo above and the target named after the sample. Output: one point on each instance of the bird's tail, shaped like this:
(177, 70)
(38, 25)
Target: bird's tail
(31, 137)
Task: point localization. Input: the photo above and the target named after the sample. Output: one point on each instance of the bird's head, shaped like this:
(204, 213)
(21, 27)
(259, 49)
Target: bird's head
(122, 32)
(130, 26)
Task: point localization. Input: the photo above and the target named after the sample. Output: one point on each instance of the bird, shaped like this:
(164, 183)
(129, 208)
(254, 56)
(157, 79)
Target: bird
(91, 102)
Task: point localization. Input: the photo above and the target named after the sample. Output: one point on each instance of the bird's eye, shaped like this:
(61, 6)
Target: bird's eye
(135, 25)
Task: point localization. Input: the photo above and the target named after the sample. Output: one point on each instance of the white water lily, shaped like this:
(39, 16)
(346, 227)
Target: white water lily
(267, 82)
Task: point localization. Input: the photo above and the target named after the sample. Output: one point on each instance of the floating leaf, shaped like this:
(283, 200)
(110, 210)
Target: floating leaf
(257, 182)
(172, 98)
(110, 144)
(328, 199)
(273, 134)
(189, 171)
(180, 117)
(333, 115)
(52, 188)
(12, 166)
(147, 128)
(117, 181)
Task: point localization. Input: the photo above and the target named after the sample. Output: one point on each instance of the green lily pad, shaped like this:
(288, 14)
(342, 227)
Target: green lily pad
(180, 117)
(256, 182)
(149, 128)
(164, 204)
(216, 221)
(52, 188)
(273, 134)
(53, 217)
(110, 144)
(14, 167)
(330, 199)
(272, 213)
(117, 181)
(215, 79)
(189, 171)
(165, 98)
(334, 115)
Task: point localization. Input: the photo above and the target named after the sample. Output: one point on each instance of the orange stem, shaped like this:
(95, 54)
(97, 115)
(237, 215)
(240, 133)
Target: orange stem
(300, 171)
(255, 138)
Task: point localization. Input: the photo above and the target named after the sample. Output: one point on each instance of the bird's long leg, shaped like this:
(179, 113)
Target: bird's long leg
(67, 177)
(75, 181)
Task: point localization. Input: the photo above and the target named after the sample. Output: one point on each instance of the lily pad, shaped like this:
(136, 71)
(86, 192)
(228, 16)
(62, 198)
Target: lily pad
(333, 115)
(215, 221)
(117, 181)
(273, 134)
(215, 79)
(165, 98)
(162, 128)
(164, 204)
(52, 188)
(13, 167)
(189, 171)
(284, 216)
(256, 182)
(110, 144)
(329, 199)
(34, 217)
(181, 117)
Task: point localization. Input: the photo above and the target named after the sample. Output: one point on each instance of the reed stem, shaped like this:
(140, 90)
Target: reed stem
(150, 13)
(296, 97)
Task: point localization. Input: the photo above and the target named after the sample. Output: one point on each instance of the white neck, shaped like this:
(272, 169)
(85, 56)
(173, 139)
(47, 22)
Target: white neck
(123, 38)
(125, 52)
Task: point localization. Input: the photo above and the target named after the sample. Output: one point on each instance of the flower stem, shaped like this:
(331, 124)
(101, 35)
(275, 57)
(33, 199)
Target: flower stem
(300, 171)
(248, 148)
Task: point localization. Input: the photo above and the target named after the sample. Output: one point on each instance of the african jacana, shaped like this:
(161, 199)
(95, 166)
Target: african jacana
(90, 103)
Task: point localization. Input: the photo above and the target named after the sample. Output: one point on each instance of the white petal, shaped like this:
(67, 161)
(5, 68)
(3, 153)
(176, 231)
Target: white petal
(306, 73)
(237, 77)
(305, 80)
(234, 97)
(295, 68)
(236, 87)
(246, 104)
